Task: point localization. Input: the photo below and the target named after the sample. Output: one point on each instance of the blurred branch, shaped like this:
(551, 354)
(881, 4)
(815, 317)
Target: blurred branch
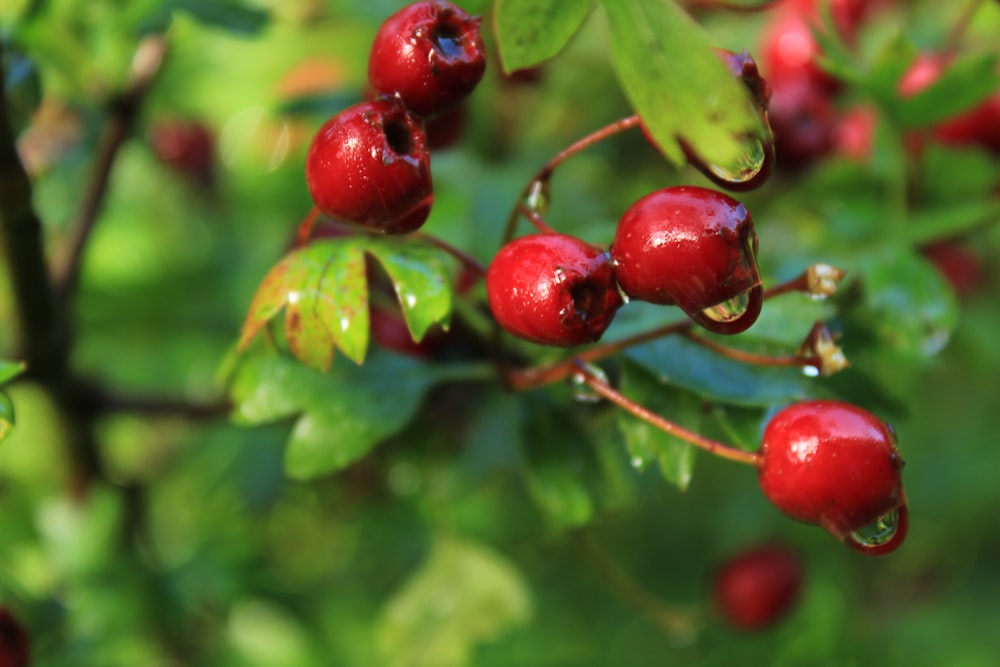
(122, 112)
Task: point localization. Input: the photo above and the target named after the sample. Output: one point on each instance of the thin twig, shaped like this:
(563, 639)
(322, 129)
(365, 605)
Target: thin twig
(123, 110)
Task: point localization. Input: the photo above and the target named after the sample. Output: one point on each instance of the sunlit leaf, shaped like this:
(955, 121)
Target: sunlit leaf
(323, 290)
(463, 594)
(10, 370)
(530, 32)
(337, 416)
(677, 83)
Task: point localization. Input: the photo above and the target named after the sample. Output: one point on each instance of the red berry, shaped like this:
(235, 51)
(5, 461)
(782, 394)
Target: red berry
(758, 587)
(803, 120)
(370, 165)
(187, 148)
(790, 52)
(836, 465)
(694, 248)
(553, 289)
(961, 267)
(14, 645)
(431, 54)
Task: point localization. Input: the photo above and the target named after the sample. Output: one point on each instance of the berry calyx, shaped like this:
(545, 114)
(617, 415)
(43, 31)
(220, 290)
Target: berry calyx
(837, 466)
(370, 165)
(758, 586)
(430, 54)
(695, 248)
(553, 289)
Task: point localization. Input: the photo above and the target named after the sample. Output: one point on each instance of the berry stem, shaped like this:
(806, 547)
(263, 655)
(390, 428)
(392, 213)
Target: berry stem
(713, 447)
(746, 357)
(306, 228)
(466, 259)
(545, 173)
(536, 219)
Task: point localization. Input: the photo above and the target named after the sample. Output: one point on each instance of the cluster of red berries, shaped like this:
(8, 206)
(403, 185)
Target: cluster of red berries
(370, 163)
(686, 246)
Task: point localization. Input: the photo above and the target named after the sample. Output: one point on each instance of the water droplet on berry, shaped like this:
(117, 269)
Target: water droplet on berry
(730, 310)
(746, 167)
(883, 535)
(538, 197)
(581, 390)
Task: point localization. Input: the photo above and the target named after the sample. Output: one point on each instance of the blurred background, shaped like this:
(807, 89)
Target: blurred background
(195, 548)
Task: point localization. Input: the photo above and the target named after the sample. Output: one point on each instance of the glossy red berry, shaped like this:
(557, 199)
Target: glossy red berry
(14, 645)
(370, 165)
(553, 289)
(757, 587)
(431, 54)
(836, 465)
(695, 248)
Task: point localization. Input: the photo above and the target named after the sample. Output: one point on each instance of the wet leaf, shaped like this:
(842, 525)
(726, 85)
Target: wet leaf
(677, 83)
(681, 362)
(337, 416)
(909, 304)
(646, 443)
(323, 290)
(529, 32)
(464, 594)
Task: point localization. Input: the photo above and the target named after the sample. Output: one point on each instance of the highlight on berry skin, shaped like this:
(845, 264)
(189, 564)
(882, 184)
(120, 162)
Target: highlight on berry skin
(836, 465)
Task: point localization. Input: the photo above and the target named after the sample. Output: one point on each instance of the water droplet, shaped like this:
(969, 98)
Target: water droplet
(730, 310)
(637, 462)
(810, 371)
(882, 536)
(747, 166)
(539, 195)
(581, 390)
(734, 315)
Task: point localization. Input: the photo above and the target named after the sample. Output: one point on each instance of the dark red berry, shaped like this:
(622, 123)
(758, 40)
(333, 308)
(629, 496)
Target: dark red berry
(15, 650)
(803, 120)
(431, 54)
(836, 465)
(187, 148)
(691, 247)
(962, 268)
(553, 289)
(370, 165)
(758, 587)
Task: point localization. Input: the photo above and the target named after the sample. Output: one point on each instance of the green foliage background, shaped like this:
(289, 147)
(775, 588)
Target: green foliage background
(489, 529)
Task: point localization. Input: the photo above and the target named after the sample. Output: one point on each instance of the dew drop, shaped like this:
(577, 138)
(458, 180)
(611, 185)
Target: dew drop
(810, 371)
(730, 310)
(882, 536)
(538, 197)
(637, 462)
(746, 168)
(581, 390)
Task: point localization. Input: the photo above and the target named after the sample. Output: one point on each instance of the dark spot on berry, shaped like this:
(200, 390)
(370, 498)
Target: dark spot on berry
(397, 135)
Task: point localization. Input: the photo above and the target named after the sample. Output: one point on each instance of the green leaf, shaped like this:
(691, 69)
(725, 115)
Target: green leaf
(338, 416)
(420, 278)
(7, 416)
(323, 290)
(909, 304)
(681, 362)
(464, 594)
(963, 84)
(646, 443)
(10, 370)
(945, 221)
(557, 460)
(231, 15)
(529, 32)
(677, 83)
